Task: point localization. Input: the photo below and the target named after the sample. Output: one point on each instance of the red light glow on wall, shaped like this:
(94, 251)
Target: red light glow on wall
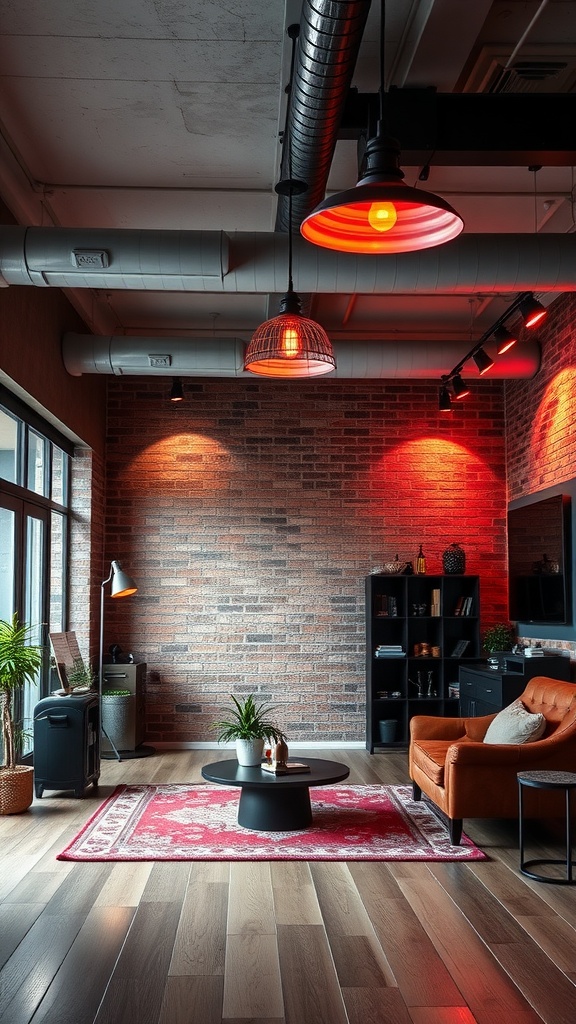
(446, 493)
(553, 431)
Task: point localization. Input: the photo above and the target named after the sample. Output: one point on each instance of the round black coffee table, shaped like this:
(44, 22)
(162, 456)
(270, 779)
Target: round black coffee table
(275, 803)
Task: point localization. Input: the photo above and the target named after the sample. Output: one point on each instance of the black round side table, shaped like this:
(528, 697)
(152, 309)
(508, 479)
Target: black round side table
(547, 780)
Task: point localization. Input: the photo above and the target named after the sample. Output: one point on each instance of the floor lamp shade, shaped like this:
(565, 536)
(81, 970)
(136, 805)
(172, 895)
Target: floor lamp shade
(121, 584)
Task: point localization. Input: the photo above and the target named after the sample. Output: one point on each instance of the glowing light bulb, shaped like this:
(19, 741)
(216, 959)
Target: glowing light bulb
(290, 342)
(382, 216)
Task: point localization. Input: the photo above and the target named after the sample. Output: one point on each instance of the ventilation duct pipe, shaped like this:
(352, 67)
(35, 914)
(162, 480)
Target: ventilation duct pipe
(224, 357)
(257, 263)
(326, 53)
(131, 259)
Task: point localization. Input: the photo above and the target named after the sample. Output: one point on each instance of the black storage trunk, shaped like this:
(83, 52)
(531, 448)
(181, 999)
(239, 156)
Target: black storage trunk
(66, 743)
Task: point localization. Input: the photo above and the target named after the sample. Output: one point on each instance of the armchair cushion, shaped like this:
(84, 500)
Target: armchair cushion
(515, 724)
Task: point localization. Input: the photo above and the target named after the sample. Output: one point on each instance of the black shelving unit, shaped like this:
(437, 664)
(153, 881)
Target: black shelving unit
(419, 631)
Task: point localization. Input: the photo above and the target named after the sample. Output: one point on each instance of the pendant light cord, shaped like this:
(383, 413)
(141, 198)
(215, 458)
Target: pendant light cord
(288, 186)
(293, 32)
(382, 58)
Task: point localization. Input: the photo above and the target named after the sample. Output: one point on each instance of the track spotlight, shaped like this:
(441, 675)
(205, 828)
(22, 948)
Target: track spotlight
(444, 402)
(483, 361)
(177, 391)
(459, 387)
(504, 340)
(532, 311)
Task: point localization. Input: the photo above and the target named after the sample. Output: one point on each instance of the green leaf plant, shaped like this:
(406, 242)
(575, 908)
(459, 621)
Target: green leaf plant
(247, 720)
(499, 637)
(20, 662)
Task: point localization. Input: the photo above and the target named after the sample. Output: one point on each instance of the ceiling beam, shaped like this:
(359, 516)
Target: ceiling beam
(470, 130)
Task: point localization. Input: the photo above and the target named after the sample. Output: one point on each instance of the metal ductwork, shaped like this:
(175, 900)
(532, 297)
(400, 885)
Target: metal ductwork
(326, 53)
(257, 263)
(86, 257)
(224, 357)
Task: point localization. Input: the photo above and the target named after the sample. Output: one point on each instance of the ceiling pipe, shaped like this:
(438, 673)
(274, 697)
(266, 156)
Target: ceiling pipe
(257, 263)
(329, 38)
(224, 357)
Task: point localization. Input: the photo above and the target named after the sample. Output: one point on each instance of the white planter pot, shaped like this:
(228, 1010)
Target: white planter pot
(249, 752)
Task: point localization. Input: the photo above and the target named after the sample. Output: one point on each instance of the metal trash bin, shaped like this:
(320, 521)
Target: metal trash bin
(67, 743)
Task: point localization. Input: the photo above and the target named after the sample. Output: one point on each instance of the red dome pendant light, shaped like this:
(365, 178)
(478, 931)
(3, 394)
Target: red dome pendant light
(382, 214)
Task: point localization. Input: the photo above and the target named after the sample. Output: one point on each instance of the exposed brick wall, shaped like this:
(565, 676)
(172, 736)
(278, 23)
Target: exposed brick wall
(250, 515)
(541, 415)
(86, 547)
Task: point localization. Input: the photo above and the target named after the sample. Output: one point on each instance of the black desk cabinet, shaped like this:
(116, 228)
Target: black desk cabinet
(66, 743)
(484, 691)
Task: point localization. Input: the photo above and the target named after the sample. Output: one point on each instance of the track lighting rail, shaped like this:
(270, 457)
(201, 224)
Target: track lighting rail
(532, 312)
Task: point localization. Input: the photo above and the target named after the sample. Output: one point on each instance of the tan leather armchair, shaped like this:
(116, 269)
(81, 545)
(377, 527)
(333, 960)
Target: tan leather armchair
(467, 778)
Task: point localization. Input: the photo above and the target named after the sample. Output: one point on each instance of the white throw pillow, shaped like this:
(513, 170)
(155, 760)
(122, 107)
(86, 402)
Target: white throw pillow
(515, 724)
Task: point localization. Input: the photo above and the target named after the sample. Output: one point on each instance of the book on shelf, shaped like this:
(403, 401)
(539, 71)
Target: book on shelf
(463, 606)
(389, 651)
(435, 602)
(459, 649)
(284, 769)
(387, 606)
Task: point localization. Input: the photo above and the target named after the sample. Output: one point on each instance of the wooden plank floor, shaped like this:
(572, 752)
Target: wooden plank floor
(274, 942)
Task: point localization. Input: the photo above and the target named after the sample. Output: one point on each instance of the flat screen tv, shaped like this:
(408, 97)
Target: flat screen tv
(539, 561)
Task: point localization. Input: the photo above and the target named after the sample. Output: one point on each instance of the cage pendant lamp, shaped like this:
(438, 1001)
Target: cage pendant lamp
(382, 214)
(290, 345)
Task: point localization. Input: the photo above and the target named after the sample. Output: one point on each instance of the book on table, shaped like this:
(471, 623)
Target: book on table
(284, 769)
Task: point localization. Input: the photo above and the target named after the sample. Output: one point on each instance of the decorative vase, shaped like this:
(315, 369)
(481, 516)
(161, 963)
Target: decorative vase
(454, 560)
(249, 752)
(420, 562)
(281, 752)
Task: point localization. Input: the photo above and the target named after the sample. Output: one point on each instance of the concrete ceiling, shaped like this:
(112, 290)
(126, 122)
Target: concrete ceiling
(165, 114)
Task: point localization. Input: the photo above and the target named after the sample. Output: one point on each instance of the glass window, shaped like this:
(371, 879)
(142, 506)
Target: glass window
(37, 463)
(7, 542)
(9, 446)
(33, 540)
(57, 609)
(34, 605)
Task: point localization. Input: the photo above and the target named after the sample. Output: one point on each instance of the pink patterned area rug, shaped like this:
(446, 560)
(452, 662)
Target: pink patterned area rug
(199, 822)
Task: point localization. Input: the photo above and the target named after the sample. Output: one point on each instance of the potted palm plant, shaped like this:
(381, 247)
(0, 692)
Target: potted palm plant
(249, 724)
(20, 662)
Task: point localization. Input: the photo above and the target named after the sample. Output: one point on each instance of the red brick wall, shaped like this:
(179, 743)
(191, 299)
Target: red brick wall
(250, 515)
(541, 414)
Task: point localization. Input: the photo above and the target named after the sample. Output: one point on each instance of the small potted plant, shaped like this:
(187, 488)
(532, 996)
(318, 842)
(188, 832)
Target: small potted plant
(80, 677)
(20, 662)
(499, 637)
(249, 724)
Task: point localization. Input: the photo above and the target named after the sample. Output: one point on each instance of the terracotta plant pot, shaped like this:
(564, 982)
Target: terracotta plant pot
(16, 789)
